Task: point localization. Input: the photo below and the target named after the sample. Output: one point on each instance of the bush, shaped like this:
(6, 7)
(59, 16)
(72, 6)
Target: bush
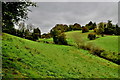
(30, 37)
(95, 30)
(55, 39)
(85, 29)
(112, 56)
(35, 36)
(92, 36)
(58, 37)
(86, 46)
(48, 35)
(62, 39)
(96, 51)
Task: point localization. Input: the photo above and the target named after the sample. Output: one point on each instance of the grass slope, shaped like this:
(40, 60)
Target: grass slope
(77, 37)
(28, 59)
(109, 43)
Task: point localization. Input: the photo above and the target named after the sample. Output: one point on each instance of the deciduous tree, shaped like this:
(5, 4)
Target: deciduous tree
(12, 12)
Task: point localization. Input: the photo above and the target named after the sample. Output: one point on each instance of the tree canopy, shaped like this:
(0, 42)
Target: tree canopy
(12, 12)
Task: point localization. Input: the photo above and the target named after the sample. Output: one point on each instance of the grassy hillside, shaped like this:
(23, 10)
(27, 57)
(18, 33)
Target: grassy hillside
(24, 58)
(109, 43)
(77, 37)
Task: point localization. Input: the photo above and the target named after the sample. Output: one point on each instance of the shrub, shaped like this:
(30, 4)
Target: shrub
(95, 30)
(30, 37)
(112, 56)
(58, 37)
(62, 39)
(96, 51)
(35, 36)
(86, 47)
(85, 29)
(91, 36)
(48, 35)
(55, 39)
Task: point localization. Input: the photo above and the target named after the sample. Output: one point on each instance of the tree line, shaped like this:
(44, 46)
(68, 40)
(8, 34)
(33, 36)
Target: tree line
(13, 12)
(25, 31)
(107, 28)
(101, 28)
(57, 32)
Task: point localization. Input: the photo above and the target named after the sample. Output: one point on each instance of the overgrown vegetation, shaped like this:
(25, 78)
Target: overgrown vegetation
(92, 36)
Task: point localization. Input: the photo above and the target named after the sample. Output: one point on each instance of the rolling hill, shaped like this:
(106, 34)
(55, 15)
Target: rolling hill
(108, 42)
(29, 59)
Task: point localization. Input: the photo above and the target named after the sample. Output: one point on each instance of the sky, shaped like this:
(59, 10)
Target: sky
(47, 14)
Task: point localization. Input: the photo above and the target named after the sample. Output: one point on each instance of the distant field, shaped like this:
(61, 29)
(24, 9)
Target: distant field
(78, 35)
(109, 43)
(28, 59)
(50, 40)
(75, 37)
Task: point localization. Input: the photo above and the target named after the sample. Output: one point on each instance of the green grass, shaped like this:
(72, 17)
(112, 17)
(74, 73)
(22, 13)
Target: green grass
(109, 43)
(73, 37)
(77, 36)
(28, 59)
(50, 40)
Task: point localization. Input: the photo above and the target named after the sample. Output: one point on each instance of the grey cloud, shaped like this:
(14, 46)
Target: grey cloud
(47, 14)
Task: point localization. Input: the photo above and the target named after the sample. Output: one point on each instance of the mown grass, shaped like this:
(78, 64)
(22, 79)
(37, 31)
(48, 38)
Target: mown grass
(28, 59)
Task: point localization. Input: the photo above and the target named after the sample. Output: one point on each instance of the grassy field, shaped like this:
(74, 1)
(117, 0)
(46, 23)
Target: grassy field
(109, 43)
(28, 59)
(72, 37)
(77, 37)
(49, 40)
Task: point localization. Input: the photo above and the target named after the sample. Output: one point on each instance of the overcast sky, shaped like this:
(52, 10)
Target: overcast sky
(47, 14)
